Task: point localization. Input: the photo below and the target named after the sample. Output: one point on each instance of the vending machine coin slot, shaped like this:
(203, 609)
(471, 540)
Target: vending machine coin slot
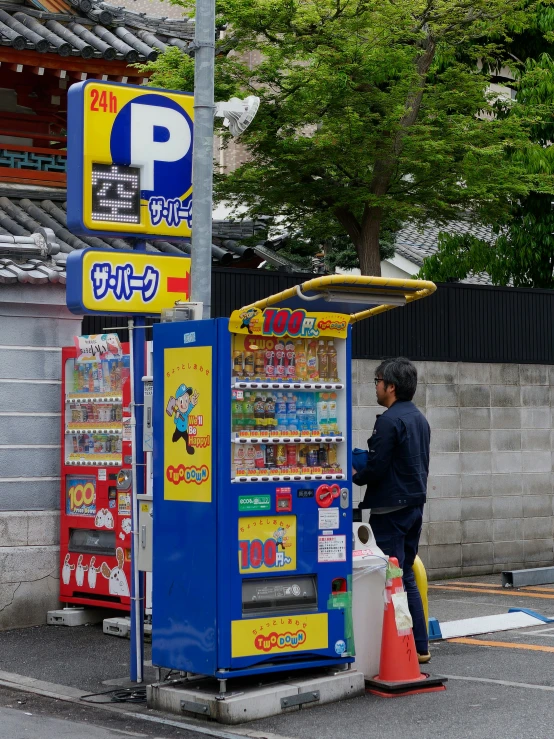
(326, 494)
(271, 595)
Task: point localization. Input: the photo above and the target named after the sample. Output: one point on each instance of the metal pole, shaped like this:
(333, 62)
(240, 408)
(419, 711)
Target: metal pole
(202, 155)
(137, 352)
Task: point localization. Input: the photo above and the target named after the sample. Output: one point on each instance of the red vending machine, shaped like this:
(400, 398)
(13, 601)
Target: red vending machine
(95, 526)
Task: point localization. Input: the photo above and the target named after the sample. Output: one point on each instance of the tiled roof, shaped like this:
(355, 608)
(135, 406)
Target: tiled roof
(26, 212)
(91, 29)
(415, 243)
(154, 7)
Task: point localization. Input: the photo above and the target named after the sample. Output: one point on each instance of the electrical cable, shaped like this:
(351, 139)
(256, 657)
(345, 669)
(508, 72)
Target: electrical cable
(119, 695)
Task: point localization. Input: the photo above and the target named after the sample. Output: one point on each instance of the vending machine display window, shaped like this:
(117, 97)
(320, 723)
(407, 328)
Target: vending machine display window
(94, 424)
(288, 408)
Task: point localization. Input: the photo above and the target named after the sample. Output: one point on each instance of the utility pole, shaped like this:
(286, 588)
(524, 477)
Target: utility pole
(202, 156)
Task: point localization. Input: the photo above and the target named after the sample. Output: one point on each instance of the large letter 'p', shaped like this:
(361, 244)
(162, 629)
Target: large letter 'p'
(146, 150)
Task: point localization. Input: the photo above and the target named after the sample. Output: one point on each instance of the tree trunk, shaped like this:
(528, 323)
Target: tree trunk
(367, 245)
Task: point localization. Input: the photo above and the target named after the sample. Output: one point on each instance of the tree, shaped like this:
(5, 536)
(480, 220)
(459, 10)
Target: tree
(373, 112)
(522, 254)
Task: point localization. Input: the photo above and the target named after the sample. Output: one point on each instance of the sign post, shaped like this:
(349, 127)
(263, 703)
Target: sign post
(129, 173)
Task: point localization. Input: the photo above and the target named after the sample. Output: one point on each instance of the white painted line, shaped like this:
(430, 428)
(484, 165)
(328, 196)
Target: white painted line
(538, 631)
(507, 683)
(488, 624)
(15, 381)
(31, 348)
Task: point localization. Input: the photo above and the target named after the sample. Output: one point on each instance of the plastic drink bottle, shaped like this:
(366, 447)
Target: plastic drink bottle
(292, 419)
(280, 360)
(301, 367)
(269, 412)
(322, 361)
(313, 374)
(332, 420)
(281, 412)
(323, 413)
(290, 357)
(332, 368)
(301, 412)
(259, 364)
(259, 413)
(269, 367)
(237, 412)
(310, 415)
(249, 423)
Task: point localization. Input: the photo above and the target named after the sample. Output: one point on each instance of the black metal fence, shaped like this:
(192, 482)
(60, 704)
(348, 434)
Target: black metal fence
(464, 323)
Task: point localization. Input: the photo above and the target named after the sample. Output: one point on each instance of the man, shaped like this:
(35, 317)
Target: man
(396, 479)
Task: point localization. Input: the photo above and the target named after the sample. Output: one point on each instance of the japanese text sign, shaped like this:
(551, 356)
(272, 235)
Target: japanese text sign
(101, 281)
(296, 323)
(279, 634)
(129, 160)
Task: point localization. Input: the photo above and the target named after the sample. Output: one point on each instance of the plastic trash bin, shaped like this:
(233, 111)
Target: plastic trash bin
(368, 597)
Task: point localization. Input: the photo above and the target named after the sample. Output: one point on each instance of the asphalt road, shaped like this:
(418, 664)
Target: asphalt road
(501, 685)
(25, 715)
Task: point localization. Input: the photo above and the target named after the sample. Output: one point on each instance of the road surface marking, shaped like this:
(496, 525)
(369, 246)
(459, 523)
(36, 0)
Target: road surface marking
(508, 683)
(512, 593)
(503, 644)
(533, 588)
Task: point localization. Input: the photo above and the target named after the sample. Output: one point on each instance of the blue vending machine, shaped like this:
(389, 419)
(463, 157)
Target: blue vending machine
(252, 557)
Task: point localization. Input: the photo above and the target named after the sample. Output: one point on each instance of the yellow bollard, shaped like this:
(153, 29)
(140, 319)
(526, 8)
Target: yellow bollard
(421, 582)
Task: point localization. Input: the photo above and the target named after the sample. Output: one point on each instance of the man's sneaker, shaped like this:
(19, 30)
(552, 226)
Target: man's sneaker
(424, 658)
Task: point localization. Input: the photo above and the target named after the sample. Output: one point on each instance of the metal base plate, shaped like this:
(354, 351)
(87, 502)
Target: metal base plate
(248, 699)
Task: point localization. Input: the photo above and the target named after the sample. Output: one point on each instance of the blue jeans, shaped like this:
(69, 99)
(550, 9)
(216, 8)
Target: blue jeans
(397, 534)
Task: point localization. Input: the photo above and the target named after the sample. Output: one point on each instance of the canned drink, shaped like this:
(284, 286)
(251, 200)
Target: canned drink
(303, 456)
(313, 455)
(270, 456)
(281, 455)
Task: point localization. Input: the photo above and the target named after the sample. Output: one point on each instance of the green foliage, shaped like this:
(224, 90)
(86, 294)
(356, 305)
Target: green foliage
(373, 112)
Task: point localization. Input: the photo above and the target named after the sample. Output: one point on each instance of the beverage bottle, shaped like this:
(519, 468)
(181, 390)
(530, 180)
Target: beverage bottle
(238, 358)
(259, 364)
(332, 455)
(313, 458)
(301, 366)
(269, 412)
(301, 412)
(90, 378)
(237, 412)
(290, 356)
(332, 366)
(281, 413)
(292, 419)
(332, 420)
(249, 423)
(322, 361)
(248, 363)
(280, 360)
(322, 456)
(310, 415)
(322, 412)
(303, 456)
(76, 379)
(311, 361)
(269, 366)
(106, 381)
(259, 413)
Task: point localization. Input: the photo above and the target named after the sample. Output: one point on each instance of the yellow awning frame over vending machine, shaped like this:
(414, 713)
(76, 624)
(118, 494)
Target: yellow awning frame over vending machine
(381, 293)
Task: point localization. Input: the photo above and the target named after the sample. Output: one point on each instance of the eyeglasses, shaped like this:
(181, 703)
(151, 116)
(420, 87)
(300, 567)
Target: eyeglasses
(377, 380)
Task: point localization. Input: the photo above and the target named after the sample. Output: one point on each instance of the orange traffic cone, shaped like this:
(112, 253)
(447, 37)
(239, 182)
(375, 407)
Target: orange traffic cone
(399, 672)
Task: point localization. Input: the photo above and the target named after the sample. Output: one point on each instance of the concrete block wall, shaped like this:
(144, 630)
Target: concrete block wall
(34, 325)
(490, 494)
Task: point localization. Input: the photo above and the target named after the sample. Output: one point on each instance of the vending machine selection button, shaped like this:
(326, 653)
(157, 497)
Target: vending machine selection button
(326, 494)
(283, 500)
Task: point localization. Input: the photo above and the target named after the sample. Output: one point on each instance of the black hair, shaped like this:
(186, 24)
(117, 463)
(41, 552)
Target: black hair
(401, 373)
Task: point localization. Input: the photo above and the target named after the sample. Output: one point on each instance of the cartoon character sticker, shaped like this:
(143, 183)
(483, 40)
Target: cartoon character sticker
(80, 572)
(246, 316)
(104, 519)
(118, 584)
(92, 573)
(67, 570)
(180, 407)
(125, 528)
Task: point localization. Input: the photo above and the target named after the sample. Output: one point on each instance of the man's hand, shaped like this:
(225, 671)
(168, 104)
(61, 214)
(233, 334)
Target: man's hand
(194, 398)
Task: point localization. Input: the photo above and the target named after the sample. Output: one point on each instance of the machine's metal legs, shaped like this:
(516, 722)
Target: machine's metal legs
(222, 687)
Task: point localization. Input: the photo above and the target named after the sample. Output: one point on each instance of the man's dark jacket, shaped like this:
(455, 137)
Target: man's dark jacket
(398, 466)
